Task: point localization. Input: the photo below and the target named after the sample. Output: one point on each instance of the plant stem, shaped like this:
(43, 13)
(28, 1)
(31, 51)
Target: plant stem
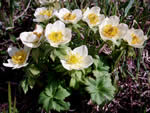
(9, 96)
(14, 107)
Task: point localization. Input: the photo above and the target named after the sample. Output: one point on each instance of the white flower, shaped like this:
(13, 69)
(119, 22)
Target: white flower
(69, 16)
(93, 17)
(110, 29)
(32, 39)
(45, 2)
(19, 57)
(77, 59)
(135, 38)
(57, 34)
(42, 14)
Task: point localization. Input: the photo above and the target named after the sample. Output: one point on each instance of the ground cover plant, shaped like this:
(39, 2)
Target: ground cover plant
(75, 56)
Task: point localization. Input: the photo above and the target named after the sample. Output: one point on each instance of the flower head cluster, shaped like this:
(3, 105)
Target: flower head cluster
(58, 33)
(109, 27)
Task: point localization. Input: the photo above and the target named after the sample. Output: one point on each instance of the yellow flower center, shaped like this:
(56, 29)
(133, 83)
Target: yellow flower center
(56, 37)
(69, 16)
(74, 59)
(46, 12)
(37, 34)
(93, 18)
(19, 57)
(110, 31)
(135, 39)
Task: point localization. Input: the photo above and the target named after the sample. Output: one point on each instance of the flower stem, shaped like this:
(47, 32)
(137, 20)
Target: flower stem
(9, 96)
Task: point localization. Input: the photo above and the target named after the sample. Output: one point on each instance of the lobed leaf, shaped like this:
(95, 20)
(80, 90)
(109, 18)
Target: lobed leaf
(100, 89)
(53, 98)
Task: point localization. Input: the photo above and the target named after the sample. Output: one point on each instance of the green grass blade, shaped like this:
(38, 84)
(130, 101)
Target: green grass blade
(128, 7)
(14, 107)
(9, 97)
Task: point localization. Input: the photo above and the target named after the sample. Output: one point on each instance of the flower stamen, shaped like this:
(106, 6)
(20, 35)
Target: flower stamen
(56, 37)
(69, 16)
(46, 12)
(19, 57)
(93, 18)
(135, 39)
(110, 31)
(74, 59)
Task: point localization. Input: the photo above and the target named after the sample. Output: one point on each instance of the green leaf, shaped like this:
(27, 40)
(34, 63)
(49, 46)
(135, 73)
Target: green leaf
(53, 56)
(76, 78)
(128, 7)
(61, 93)
(131, 52)
(60, 68)
(78, 75)
(98, 73)
(72, 82)
(97, 62)
(56, 5)
(34, 70)
(95, 29)
(100, 89)
(100, 68)
(60, 52)
(25, 86)
(53, 98)
(77, 26)
(35, 54)
(12, 37)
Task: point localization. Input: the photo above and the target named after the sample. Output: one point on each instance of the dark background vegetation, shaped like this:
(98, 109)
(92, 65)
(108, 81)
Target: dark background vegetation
(133, 87)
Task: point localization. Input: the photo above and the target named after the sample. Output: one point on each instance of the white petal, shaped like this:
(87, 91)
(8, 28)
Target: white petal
(102, 17)
(145, 37)
(38, 10)
(95, 10)
(31, 45)
(20, 66)
(85, 14)
(9, 64)
(78, 14)
(44, 2)
(82, 50)
(139, 32)
(59, 24)
(123, 29)
(11, 50)
(28, 37)
(38, 29)
(53, 44)
(65, 65)
(48, 29)
(114, 20)
(68, 35)
(88, 61)
(27, 49)
(62, 12)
